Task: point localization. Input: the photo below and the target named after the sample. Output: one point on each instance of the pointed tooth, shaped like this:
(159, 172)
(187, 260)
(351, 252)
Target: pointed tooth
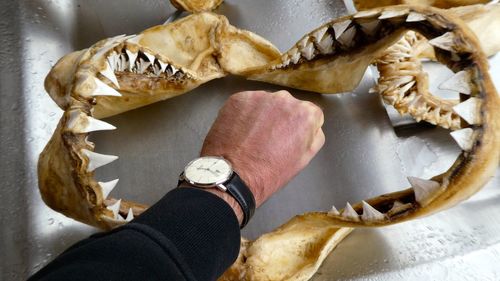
(142, 66)
(365, 14)
(97, 125)
(130, 215)
(392, 14)
(150, 57)
(97, 160)
(108, 73)
(107, 187)
(459, 82)
(405, 89)
(464, 138)
(350, 213)
(80, 122)
(334, 211)
(423, 189)
(308, 51)
(112, 59)
(340, 27)
(413, 17)
(469, 110)
(318, 34)
(115, 208)
(347, 38)
(163, 66)
(444, 41)
(325, 46)
(370, 213)
(131, 59)
(102, 89)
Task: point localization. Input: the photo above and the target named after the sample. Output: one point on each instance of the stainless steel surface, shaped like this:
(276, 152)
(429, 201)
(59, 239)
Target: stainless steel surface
(363, 156)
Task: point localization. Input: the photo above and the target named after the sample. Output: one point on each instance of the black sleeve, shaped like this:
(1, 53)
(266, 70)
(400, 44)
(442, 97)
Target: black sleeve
(190, 234)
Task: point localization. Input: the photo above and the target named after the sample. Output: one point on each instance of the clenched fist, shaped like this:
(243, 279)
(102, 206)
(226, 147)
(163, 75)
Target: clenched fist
(268, 137)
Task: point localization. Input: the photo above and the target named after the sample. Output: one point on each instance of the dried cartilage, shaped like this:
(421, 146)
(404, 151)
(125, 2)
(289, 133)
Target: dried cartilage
(196, 6)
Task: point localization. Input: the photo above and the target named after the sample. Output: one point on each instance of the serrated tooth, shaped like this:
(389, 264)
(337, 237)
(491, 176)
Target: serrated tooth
(340, 27)
(413, 17)
(111, 59)
(347, 38)
(308, 51)
(350, 213)
(107, 187)
(334, 211)
(325, 46)
(318, 34)
(444, 41)
(423, 189)
(370, 213)
(115, 208)
(365, 14)
(405, 89)
(131, 58)
(294, 55)
(469, 110)
(102, 89)
(464, 138)
(109, 73)
(130, 215)
(392, 14)
(97, 160)
(150, 57)
(459, 82)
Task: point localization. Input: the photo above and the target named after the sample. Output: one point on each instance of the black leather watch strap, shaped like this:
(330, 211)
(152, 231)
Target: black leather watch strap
(242, 194)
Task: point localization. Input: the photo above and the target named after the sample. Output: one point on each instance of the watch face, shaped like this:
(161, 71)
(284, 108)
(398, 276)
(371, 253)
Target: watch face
(208, 171)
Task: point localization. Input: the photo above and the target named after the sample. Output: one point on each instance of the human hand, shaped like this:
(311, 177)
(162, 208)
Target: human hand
(268, 138)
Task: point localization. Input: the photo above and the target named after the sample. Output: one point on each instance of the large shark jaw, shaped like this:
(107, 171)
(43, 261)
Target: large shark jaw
(98, 82)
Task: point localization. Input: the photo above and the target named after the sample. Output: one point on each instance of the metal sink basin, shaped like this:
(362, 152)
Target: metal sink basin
(363, 156)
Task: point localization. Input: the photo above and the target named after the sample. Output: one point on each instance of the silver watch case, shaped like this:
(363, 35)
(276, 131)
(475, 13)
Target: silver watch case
(219, 184)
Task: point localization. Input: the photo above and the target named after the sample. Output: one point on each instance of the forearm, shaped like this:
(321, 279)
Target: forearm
(189, 234)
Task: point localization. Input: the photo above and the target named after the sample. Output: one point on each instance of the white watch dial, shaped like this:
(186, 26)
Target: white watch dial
(209, 170)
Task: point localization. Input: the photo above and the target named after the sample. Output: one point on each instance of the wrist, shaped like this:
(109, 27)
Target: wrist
(230, 201)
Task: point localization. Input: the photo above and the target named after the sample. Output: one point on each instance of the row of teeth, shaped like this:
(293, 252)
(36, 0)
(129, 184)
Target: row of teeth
(321, 42)
(141, 63)
(424, 192)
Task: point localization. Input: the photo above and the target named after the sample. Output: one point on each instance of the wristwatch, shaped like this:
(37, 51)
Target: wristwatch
(216, 172)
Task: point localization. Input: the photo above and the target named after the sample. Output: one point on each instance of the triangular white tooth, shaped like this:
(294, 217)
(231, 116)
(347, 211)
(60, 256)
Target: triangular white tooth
(469, 110)
(444, 41)
(115, 208)
(350, 213)
(459, 82)
(334, 211)
(97, 125)
(325, 46)
(109, 73)
(340, 27)
(131, 59)
(347, 38)
(464, 138)
(163, 66)
(391, 14)
(370, 213)
(413, 17)
(423, 189)
(318, 34)
(102, 89)
(130, 215)
(107, 187)
(150, 57)
(308, 51)
(97, 160)
(397, 204)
